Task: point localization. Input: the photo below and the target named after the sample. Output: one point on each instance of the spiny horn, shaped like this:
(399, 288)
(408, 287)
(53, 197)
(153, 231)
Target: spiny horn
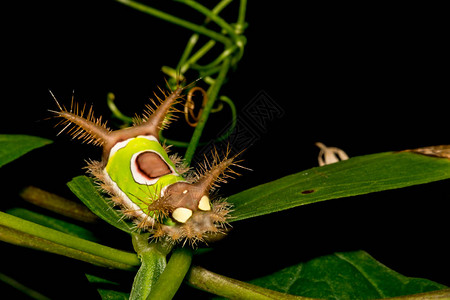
(157, 118)
(89, 129)
(217, 171)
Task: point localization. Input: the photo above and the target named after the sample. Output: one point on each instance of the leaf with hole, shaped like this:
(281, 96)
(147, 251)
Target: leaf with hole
(356, 176)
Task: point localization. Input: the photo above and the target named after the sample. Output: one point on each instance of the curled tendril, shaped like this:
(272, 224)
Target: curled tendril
(190, 106)
(223, 100)
(116, 113)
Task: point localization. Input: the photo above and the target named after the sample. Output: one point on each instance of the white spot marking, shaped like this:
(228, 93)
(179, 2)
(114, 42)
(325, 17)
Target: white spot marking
(204, 203)
(182, 214)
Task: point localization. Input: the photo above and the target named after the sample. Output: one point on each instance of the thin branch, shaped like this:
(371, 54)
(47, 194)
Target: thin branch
(231, 288)
(28, 234)
(213, 16)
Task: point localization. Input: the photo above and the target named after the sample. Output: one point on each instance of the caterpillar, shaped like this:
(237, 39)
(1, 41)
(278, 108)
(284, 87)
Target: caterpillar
(156, 191)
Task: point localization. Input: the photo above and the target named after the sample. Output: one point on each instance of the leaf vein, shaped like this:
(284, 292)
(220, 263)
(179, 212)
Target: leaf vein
(363, 273)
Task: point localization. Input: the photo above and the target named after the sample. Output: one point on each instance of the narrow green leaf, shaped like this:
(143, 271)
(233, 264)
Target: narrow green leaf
(112, 295)
(153, 263)
(85, 189)
(107, 288)
(28, 234)
(350, 275)
(13, 146)
(53, 223)
(356, 176)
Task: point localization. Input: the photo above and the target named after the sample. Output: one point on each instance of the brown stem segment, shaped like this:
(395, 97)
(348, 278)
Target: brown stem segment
(58, 204)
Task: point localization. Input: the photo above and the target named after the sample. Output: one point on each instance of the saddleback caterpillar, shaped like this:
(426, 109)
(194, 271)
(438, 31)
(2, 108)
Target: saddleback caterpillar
(157, 191)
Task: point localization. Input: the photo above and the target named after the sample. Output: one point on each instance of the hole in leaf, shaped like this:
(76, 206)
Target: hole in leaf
(307, 192)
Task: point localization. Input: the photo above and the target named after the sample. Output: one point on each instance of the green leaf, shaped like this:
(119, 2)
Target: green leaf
(356, 176)
(13, 146)
(107, 288)
(153, 263)
(112, 295)
(350, 275)
(85, 189)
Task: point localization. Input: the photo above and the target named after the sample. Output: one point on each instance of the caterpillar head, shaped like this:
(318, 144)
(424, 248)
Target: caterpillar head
(146, 183)
(189, 205)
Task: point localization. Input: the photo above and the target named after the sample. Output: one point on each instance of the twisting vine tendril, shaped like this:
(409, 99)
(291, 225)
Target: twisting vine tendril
(213, 73)
(190, 106)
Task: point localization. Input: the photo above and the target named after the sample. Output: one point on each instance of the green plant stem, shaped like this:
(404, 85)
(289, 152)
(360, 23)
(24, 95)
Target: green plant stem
(213, 16)
(53, 223)
(24, 289)
(240, 26)
(238, 40)
(220, 6)
(115, 111)
(172, 19)
(207, 73)
(28, 234)
(233, 118)
(199, 54)
(226, 53)
(207, 109)
(231, 288)
(173, 275)
(182, 65)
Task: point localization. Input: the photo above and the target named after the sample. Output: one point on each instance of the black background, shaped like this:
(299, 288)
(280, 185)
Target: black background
(365, 78)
